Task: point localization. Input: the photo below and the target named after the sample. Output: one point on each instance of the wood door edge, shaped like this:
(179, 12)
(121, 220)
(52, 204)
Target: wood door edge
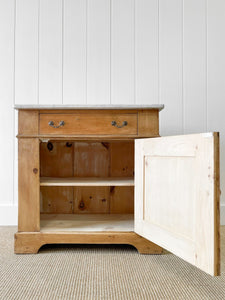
(217, 257)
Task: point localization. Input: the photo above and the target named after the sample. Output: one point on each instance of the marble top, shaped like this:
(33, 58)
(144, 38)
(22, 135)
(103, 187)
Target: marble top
(152, 106)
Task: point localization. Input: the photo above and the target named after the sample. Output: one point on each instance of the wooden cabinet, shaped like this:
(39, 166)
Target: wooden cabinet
(103, 175)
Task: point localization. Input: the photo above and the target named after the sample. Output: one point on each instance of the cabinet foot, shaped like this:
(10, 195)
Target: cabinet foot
(146, 247)
(31, 242)
(27, 243)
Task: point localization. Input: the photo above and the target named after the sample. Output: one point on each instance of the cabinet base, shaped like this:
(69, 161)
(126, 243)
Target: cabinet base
(31, 242)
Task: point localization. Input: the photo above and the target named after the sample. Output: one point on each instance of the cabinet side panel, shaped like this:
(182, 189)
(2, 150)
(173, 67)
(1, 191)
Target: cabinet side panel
(148, 123)
(28, 184)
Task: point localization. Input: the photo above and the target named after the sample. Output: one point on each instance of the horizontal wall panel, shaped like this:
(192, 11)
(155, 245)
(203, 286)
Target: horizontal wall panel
(74, 51)
(50, 52)
(122, 52)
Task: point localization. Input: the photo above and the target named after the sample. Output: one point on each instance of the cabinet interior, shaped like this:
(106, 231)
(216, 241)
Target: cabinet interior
(87, 185)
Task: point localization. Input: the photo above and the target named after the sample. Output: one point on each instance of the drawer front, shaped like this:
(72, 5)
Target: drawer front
(89, 124)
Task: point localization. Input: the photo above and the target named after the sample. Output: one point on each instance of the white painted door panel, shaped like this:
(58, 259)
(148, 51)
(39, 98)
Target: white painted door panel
(177, 196)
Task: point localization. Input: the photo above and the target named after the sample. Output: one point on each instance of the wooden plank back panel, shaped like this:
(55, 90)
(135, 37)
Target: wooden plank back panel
(122, 159)
(56, 161)
(91, 200)
(56, 200)
(122, 200)
(91, 159)
(28, 185)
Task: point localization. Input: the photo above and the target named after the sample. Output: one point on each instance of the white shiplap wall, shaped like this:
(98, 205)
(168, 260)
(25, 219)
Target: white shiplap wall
(111, 51)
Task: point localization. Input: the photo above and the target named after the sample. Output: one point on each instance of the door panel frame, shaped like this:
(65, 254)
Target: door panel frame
(204, 250)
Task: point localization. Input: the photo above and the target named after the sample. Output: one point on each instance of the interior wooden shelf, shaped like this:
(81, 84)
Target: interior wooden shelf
(84, 222)
(74, 181)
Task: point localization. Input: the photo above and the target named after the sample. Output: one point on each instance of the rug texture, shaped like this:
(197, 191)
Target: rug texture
(101, 272)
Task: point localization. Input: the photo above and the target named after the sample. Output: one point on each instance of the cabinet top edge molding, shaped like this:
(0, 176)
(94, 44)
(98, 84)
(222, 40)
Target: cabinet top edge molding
(158, 107)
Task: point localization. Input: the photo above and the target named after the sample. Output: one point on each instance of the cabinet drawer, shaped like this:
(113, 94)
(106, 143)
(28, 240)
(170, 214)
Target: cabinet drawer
(99, 123)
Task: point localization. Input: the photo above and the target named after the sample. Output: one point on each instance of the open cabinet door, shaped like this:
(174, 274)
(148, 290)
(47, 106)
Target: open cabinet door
(177, 196)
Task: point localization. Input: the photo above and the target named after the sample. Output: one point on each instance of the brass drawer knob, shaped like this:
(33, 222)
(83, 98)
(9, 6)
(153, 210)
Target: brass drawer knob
(119, 126)
(61, 123)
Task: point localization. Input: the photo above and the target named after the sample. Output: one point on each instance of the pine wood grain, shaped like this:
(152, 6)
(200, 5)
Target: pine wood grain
(28, 122)
(26, 242)
(28, 185)
(148, 123)
(56, 200)
(56, 160)
(122, 200)
(91, 200)
(122, 159)
(88, 124)
(91, 159)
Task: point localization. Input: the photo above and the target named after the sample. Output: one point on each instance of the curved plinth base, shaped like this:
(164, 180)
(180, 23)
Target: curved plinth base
(31, 242)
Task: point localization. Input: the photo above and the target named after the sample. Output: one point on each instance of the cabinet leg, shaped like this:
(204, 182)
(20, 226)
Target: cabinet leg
(24, 244)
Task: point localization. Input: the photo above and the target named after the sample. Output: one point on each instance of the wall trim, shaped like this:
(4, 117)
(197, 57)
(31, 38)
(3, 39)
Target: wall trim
(8, 215)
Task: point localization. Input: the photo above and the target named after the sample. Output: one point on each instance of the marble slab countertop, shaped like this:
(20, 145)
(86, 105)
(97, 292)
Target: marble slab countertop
(152, 106)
